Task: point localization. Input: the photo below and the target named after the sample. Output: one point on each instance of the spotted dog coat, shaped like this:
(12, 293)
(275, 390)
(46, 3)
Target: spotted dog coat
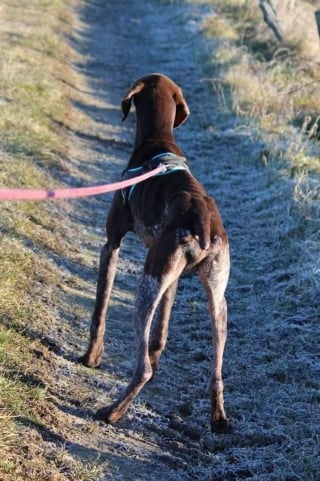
(180, 225)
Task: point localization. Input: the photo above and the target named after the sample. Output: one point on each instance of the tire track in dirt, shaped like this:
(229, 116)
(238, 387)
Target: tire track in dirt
(166, 433)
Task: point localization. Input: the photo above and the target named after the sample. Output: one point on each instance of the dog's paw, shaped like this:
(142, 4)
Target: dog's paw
(108, 415)
(222, 426)
(90, 361)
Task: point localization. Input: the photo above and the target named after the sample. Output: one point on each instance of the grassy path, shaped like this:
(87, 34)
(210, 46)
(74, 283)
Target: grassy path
(271, 368)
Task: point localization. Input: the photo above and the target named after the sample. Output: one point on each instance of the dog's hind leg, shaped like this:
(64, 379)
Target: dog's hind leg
(160, 330)
(214, 277)
(160, 273)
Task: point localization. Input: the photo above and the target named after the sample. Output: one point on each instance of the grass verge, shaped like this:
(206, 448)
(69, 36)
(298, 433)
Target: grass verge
(273, 88)
(276, 84)
(34, 103)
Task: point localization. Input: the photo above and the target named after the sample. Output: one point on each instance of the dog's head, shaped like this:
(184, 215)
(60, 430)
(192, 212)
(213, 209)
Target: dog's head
(165, 87)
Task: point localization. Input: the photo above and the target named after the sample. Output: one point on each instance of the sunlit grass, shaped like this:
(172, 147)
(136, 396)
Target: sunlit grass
(33, 103)
(276, 85)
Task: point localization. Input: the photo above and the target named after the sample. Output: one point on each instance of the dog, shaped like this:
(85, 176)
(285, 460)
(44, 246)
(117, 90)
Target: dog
(181, 227)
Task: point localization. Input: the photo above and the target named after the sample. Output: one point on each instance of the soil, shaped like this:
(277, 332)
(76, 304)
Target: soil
(166, 434)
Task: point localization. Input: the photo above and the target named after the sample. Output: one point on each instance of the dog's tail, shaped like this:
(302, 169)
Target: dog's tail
(198, 216)
(201, 223)
(207, 223)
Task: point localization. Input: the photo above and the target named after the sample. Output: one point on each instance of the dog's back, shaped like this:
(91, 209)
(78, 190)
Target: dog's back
(174, 202)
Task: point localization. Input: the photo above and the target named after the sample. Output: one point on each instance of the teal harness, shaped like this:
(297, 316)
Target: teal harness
(171, 161)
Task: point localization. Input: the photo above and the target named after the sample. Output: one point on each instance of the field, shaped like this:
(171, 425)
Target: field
(253, 140)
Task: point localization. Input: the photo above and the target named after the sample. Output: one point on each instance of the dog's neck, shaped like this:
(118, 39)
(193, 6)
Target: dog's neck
(154, 128)
(154, 119)
(151, 132)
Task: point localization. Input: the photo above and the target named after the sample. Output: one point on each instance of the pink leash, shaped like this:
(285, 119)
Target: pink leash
(38, 194)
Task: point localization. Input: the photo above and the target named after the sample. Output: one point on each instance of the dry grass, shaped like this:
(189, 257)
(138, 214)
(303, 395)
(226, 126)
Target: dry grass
(276, 84)
(33, 102)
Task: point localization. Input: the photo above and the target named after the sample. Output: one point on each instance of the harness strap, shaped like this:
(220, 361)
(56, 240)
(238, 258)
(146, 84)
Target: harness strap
(171, 161)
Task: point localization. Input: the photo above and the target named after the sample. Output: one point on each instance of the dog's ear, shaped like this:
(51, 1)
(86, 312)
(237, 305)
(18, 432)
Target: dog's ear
(127, 98)
(182, 109)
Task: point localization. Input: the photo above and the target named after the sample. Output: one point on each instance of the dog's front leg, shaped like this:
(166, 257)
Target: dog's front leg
(107, 271)
(118, 224)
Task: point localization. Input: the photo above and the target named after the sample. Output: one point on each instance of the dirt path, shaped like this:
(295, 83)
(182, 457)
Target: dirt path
(166, 434)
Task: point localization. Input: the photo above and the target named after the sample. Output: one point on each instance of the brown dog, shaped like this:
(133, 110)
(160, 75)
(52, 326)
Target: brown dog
(180, 225)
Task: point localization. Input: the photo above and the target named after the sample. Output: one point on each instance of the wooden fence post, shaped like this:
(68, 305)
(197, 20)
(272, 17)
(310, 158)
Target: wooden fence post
(270, 17)
(317, 14)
